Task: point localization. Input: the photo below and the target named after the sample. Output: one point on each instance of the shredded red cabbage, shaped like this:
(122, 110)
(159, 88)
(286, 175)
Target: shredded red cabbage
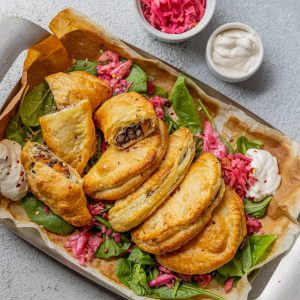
(212, 142)
(150, 87)
(113, 71)
(173, 16)
(96, 209)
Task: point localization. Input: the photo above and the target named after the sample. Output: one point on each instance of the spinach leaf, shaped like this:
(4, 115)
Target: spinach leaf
(35, 210)
(207, 113)
(37, 136)
(227, 144)
(184, 106)
(184, 291)
(37, 102)
(259, 245)
(15, 131)
(253, 252)
(161, 92)
(124, 270)
(232, 268)
(243, 144)
(103, 221)
(139, 257)
(257, 209)
(133, 276)
(172, 125)
(138, 79)
(110, 248)
(85, 65)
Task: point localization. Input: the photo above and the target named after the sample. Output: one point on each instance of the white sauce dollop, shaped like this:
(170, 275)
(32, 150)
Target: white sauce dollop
(266, 172)
(13, 184)
(235, 52)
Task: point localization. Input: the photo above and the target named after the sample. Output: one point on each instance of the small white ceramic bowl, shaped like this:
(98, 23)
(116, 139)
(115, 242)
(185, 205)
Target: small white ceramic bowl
(215, 70)
(176, 38)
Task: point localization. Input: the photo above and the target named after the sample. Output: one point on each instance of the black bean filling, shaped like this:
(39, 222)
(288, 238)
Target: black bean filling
(129, 133)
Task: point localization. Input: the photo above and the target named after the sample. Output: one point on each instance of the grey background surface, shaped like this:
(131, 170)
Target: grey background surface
(272, 93)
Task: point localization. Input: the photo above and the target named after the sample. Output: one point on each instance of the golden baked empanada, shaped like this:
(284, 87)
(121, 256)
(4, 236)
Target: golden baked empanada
(69, 88)
(70, 134)
(55, 183)
(132, 210)
(126, 119)
(184, 214)
(118, 172)
(216, 244)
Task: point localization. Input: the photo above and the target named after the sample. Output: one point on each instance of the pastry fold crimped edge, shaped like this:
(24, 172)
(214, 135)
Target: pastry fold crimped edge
(63, 195)
(132, 210)
(122, 111)
(196, 257)
(120, 189)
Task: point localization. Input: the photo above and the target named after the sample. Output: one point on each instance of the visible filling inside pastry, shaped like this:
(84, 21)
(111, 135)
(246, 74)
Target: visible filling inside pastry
(43, 155)
(133, 132)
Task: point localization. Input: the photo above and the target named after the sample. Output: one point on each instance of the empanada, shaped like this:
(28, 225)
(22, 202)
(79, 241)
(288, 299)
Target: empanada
(70, 134)
(132, 210)
(216, 244)
(126, 119)
(118, 172)
(55, 183)
(184, 214)
(69, 88)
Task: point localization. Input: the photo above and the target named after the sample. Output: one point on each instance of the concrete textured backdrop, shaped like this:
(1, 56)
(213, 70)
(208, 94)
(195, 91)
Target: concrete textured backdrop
(273, 94)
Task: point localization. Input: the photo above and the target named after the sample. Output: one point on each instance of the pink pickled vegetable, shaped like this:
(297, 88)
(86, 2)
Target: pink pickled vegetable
(150, 87)
(96, 209)
(161, 280)
(83, 246)
(112, 70)
(229, 284)
(253, 224)
(46, 210)
(117, 237)
(237, 171)
(158, 103)
(203, 279)
(173, 16)
(212, 142)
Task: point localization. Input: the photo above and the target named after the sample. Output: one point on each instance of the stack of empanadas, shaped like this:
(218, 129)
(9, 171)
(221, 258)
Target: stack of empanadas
(185, 213)
(118, 172)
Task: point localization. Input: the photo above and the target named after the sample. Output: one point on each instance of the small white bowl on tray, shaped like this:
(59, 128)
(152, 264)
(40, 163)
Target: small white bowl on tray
(179, 37)
(219, 71)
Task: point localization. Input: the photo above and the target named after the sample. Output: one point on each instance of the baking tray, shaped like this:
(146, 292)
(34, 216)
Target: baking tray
(18, 34)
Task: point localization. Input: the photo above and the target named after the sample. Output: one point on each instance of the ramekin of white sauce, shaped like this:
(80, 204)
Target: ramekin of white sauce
(234, 52)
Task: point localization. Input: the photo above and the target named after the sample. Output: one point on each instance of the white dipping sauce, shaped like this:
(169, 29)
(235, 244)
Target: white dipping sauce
(266, 172)
(13, 184)
(235, 52)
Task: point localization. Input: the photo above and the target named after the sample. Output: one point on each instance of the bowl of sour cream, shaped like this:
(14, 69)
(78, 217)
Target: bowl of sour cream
(234, 52)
